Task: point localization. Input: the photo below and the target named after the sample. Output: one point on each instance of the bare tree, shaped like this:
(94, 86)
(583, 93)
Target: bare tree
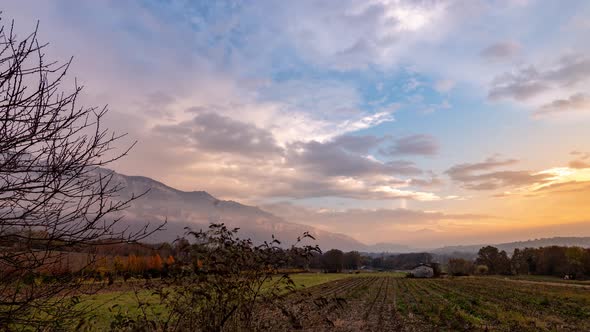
(55, 195)
(224, 283)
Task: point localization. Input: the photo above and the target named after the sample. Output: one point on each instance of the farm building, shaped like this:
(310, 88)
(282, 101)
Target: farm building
(423, 271)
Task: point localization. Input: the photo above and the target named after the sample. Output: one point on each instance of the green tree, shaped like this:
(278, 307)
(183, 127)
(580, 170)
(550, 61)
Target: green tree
(575, 261)
(352, 260)
(496, 261)
(552, 260)
(333, 261)
(460, 267)
(524, 261)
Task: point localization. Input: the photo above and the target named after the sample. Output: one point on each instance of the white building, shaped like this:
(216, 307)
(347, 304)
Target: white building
(422, 271)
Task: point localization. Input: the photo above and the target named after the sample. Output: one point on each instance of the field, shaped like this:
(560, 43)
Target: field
(388, 303)
(125, 300)
(382, 302)
(548, 279)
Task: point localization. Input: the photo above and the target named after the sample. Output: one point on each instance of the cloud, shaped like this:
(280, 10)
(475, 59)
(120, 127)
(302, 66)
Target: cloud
(519, 86)
(500, 51)
(579, 102)
(530, 81)
(275, 99)
(558, 177)
(370, 216)
(339, 99)
(582, 160)
(358, 144)
(236, 160)
(216, 133)
(344, 167)
(569, 70)
(474, 177)
(340, 157)
(558, 188)
(364, 122)
(354, 35)
(348, 187)
(378, 225)
(433, 181)
(424, 145)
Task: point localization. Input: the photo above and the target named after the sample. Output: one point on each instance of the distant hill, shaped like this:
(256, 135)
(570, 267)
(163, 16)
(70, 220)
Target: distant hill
(510, 246)
(197, 209)
(384, 247)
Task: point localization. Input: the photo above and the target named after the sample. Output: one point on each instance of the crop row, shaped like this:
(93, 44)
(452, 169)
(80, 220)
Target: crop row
(485, 304)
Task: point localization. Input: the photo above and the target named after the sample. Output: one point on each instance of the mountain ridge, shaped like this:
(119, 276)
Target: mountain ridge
(199, 208)
(196, 209)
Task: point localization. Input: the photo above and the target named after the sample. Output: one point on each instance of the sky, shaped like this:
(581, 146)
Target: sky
(414, 122)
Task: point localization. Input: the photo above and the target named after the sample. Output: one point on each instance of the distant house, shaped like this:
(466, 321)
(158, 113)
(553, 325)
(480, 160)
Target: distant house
(422, 271)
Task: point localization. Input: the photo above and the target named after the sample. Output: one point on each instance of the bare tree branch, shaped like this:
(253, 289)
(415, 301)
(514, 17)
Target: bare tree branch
(56, 197)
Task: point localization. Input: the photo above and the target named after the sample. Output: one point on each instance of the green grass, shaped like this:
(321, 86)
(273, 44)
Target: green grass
(106, 305)
(312, 279)
(493, 303)
(546, 279)
(449, 303)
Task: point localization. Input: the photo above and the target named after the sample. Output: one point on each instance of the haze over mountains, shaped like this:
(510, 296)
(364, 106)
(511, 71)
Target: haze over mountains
(510, 246)
(196, 209)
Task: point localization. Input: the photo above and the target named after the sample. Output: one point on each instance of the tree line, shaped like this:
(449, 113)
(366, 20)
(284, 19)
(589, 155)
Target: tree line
(336, 260)
(559, 261)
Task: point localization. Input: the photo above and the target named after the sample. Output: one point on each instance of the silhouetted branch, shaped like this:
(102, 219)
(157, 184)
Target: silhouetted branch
(55, 195)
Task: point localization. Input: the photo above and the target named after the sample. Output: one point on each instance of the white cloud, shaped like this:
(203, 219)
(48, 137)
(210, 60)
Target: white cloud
(579, 102)
(550, 88)
(353, 35)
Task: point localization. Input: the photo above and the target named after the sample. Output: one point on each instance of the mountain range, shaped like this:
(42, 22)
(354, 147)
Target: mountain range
(197, 209)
